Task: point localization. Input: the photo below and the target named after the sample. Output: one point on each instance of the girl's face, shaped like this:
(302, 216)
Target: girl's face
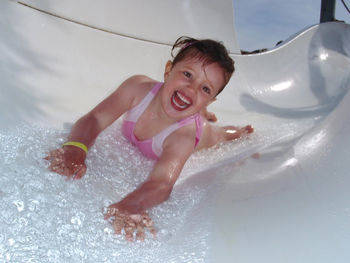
(189, 86)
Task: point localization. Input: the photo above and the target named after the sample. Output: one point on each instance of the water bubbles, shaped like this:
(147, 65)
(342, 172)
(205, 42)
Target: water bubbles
(21, 222)
(108, 231)
(8, 256)
(19, 204)
(72, 236)
(53, 255)
(163, 232)
(33, 205)
(75, 220)
(64, 230)
(51, 219)
(11, 241)
(63, 203)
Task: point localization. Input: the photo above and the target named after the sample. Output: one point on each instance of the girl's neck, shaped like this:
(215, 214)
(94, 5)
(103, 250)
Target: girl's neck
(157, 112)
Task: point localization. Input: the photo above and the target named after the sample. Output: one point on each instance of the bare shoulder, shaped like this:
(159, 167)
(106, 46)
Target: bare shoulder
(137, 86)
(127, 95)
(137, 82)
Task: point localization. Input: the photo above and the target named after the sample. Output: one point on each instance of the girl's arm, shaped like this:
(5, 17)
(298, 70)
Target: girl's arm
(157, 188)
(87, 128)
(70, 160)
(130, 213)
(213, 134)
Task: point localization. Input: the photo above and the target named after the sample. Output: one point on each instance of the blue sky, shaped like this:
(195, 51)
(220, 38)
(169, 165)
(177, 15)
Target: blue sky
(262, 23)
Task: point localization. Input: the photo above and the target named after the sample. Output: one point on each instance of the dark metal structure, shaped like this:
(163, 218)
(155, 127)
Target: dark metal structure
(327, 11)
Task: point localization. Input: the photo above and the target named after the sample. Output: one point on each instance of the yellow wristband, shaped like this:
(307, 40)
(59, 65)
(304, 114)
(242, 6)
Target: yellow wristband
(77, 144)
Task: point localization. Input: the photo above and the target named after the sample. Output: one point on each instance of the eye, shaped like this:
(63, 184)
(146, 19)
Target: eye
(206, 90)
(187, 74)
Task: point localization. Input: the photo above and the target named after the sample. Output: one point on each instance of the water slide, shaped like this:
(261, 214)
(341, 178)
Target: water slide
(281, 195)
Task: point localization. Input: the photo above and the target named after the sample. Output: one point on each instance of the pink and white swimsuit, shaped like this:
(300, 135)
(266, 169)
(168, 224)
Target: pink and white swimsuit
(153, 147)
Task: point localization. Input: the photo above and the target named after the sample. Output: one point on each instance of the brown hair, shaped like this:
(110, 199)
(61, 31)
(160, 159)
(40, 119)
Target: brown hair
(209, 50)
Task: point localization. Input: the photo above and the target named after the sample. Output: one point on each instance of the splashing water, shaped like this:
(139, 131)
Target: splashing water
(46, 218)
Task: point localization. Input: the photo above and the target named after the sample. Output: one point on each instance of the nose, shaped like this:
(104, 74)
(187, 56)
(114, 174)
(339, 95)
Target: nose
(193, 87)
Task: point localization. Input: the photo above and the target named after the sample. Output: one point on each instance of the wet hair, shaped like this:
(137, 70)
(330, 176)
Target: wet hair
(207, 50)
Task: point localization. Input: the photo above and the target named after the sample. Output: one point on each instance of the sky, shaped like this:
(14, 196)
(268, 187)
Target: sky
(262, 23)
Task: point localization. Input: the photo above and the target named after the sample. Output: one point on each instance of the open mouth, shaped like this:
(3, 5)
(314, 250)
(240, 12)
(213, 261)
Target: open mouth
(180, 101)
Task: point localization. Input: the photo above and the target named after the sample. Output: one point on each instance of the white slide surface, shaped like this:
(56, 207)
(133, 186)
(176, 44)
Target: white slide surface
(290, 204)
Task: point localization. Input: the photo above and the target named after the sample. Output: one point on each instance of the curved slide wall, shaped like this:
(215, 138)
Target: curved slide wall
(289, 205)
(154, 20)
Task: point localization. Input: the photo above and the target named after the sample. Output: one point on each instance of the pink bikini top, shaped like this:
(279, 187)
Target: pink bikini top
(153, 147)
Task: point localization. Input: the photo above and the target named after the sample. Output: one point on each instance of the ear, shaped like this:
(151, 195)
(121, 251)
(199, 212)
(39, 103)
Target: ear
(168, 67)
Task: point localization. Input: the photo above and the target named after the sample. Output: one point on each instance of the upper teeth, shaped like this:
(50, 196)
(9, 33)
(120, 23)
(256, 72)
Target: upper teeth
(183, 98)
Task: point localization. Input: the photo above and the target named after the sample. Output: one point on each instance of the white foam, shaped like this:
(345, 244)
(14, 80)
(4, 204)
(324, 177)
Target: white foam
(46, 218)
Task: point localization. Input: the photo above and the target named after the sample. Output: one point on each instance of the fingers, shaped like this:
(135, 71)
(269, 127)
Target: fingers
(233, 132)
(66, 164)
(148, 223)
(60, 167)
(118, 224)
(130, 223)
(56, 159)
(136, 218)
(143, 221)
(111, 211)
(129, 228)
(68, 169)
(57, 167)
(140, 234)
(54, 154)
(139, 223)
(80, 171)
(248, 129)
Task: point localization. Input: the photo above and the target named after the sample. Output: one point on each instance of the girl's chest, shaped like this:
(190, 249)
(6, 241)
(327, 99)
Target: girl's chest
(148, 126)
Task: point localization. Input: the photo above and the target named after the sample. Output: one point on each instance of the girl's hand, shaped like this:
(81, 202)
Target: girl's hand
(130, 223)
(209, 116)
(233, 132)
(68, 161)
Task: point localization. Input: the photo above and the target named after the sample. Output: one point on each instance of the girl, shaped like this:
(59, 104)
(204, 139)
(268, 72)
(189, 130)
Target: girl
(164, 120)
